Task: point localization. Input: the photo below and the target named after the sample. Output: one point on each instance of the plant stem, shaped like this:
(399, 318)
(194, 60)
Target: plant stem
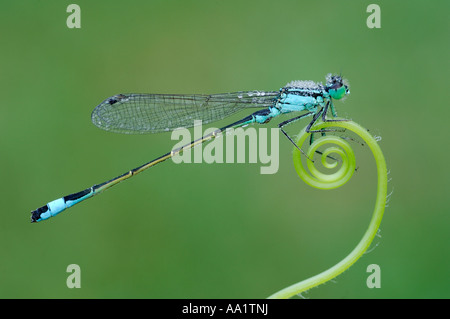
(375, 222)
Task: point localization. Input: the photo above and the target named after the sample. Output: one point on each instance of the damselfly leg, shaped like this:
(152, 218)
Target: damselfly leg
(324, 112)
(280, 126)
(289, 121)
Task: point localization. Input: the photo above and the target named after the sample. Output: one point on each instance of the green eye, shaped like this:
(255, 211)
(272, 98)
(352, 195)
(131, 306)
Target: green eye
(338, 93)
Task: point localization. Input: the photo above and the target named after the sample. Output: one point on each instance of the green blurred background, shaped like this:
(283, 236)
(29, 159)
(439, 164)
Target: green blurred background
(218, 230)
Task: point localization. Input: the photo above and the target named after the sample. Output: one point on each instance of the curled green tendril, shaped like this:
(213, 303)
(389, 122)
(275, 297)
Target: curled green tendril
(321, 180)
(337, 179)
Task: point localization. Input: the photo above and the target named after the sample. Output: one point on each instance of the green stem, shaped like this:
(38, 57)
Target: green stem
(380, 203)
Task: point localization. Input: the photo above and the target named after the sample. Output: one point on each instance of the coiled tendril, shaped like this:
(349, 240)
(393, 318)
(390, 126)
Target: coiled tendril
(323, 181)
(318, 179)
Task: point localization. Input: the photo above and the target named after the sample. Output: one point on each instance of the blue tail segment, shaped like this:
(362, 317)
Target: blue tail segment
(57, 206)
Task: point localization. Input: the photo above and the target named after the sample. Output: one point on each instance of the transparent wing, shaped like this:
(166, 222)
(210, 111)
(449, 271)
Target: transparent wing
(153, 113)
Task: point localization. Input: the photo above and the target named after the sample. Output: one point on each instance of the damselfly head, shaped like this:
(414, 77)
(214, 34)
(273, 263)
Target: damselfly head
(336, 86)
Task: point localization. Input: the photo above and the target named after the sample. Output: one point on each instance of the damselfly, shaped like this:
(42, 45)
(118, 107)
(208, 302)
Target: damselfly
(153, 113)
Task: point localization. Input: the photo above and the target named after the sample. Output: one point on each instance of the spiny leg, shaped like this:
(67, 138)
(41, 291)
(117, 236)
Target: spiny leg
(324, 119)
(314, 120)
(324, 112)
(333, 113)
(280, 126)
